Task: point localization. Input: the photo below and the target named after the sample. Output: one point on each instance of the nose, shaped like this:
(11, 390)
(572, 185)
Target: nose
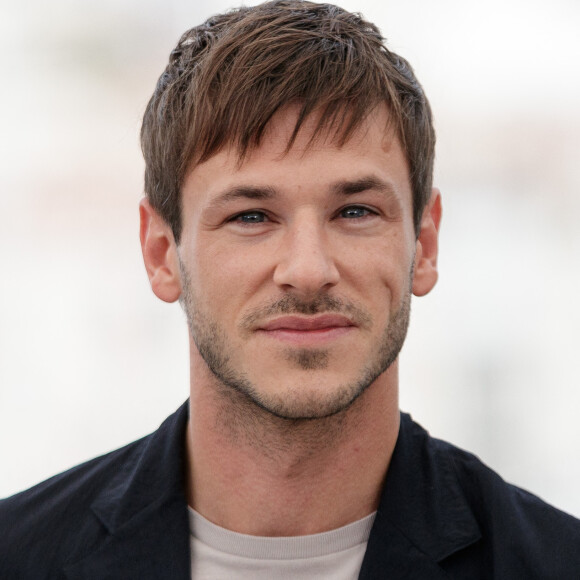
(306, 264)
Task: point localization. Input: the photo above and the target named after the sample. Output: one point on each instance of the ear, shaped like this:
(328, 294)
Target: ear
(425, 273)
(159, 253)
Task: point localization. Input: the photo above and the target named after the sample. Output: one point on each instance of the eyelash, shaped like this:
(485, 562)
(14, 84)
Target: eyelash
(368, 211)
(239, 217)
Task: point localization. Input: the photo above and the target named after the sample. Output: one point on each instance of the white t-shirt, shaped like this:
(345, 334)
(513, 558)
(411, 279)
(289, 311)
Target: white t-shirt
(220, 554)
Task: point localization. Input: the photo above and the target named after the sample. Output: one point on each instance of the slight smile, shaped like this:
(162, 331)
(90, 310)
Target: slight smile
(308, 330)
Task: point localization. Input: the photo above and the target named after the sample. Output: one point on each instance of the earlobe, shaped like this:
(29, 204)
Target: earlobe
(159, 253)
(425, 273)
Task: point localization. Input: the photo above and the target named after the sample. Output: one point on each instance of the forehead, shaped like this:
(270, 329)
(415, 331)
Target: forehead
(287, 134)
(314, 157)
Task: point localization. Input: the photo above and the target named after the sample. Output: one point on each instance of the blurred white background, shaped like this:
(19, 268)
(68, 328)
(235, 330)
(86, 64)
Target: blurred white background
(90, 359)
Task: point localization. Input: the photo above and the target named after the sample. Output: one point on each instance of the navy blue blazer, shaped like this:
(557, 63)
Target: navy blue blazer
(443, 514)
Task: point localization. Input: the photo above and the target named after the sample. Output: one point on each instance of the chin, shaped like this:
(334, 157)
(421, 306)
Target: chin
(310, 400)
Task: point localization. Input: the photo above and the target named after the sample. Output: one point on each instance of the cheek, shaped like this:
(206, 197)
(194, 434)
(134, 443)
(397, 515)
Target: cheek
(230, 277)
(384, 266)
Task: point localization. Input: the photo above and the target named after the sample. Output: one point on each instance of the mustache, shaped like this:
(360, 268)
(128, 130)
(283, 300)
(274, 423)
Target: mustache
(291, 304)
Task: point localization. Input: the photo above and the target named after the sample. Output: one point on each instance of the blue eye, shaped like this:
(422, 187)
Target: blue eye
(251, 217)
(354, 211)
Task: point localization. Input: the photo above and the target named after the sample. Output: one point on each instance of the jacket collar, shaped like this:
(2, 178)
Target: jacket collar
(423, 516)
(143, 509)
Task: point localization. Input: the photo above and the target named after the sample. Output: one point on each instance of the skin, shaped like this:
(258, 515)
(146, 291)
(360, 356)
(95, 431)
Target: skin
(295, 270)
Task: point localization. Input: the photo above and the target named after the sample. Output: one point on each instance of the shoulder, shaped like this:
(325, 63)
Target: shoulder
(71, 515)
(40, 525)
(519, 531)
(492, 497)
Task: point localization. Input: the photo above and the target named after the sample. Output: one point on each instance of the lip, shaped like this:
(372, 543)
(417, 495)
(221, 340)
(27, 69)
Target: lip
(324, 321)
(311, 329)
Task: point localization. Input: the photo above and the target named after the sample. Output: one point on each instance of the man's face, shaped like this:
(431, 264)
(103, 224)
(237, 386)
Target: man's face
(296, 267)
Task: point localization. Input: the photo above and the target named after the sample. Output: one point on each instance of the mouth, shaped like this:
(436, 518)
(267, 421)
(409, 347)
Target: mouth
(304, 330)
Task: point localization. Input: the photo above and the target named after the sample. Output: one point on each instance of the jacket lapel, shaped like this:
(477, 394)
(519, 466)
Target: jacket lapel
(423, 516)
(144, 511)
(390, 554)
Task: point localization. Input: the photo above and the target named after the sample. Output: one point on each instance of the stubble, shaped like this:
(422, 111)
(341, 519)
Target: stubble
(239, 394)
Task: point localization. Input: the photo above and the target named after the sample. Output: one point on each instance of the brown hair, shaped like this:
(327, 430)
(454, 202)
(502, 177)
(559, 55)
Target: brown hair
(227, 78)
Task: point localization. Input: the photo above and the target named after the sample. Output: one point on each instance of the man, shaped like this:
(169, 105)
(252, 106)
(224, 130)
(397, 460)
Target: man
(290, 209)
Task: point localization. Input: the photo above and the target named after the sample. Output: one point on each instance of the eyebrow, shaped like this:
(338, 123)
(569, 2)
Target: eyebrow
(244, 192)
(340, 188)
(350, 187)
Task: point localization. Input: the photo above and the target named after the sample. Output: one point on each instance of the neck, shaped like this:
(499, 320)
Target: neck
(254, 473)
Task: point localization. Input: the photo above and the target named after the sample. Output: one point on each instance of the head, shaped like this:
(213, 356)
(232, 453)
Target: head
(289, 163)
(228, 77)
